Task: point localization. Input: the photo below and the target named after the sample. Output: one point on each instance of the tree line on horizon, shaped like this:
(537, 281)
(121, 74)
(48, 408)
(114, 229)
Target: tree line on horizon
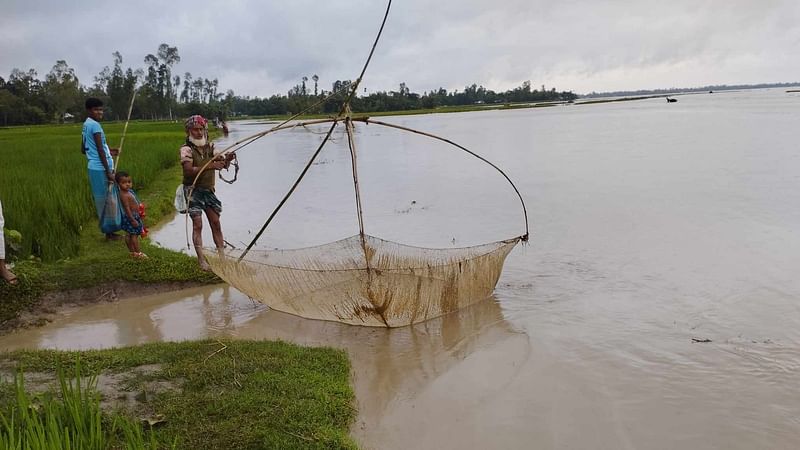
(26, 100)
(710, 87)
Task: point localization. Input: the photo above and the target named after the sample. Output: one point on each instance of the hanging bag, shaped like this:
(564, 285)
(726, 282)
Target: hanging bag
(180, 200)
(111, 219)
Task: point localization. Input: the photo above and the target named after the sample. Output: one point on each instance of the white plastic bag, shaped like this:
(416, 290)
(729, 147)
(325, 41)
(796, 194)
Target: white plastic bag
(180, 200)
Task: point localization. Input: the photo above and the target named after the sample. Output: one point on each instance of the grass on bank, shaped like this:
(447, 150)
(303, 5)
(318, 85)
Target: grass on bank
(100, 261)
(69, 418)
(44, 185)
(46, 197)
(240, 394)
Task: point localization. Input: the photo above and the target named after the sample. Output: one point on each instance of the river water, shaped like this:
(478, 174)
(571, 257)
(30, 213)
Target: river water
(653, 226)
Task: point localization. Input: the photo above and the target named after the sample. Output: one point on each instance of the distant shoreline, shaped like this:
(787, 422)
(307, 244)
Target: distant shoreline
(272, 119)
(673, 91)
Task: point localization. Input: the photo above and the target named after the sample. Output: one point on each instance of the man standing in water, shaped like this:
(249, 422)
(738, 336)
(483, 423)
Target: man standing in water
(99, 156)
(195, 153)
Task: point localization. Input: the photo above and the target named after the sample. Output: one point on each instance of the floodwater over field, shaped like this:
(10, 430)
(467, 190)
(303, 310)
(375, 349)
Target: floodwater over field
(653, 226)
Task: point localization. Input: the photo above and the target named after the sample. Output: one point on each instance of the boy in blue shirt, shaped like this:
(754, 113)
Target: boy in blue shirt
(99, 156)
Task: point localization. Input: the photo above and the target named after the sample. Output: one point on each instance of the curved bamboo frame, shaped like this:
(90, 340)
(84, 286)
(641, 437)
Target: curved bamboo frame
(345, 115)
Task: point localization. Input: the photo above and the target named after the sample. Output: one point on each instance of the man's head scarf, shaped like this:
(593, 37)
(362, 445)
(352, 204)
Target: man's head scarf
(196, 120)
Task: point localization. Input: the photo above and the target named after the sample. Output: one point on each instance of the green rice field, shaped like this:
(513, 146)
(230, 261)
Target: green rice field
(44, 186)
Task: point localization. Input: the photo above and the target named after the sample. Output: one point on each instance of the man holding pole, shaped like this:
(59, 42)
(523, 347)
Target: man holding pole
(100, 162)
(200, 163)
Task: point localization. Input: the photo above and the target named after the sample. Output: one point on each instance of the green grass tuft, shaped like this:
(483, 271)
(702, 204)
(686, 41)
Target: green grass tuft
(70, 419)
(240, 394)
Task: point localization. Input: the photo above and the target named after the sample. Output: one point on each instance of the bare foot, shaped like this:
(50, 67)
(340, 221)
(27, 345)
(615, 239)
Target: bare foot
(204, 266)
(9, 276)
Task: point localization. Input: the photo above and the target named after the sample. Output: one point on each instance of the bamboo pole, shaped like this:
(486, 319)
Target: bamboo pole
(124, 130)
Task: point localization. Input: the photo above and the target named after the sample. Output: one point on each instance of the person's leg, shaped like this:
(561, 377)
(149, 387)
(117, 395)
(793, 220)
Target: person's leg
(136, 249)
(129, 243)
(216, 227)
(7, 275)
(197, 240)
(99, 185)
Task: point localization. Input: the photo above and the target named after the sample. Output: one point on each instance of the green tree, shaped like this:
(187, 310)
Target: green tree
(159, 80)
(118, 97)
(186, 93)
(167, 56)
(25, 85)
(62, 91)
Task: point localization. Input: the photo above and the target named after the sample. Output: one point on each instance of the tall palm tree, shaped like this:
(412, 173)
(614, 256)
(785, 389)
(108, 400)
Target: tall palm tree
(315, 78)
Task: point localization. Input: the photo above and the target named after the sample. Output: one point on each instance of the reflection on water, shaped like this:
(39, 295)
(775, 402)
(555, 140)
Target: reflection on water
(652, 224)
(390, 366)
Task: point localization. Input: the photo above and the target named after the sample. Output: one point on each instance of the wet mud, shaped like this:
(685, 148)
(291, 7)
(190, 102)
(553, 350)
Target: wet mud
(53, 304)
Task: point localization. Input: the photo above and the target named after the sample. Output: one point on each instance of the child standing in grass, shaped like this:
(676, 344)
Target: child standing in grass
(132, 221)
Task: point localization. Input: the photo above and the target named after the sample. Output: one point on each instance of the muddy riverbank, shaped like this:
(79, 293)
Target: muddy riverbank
(52, 304)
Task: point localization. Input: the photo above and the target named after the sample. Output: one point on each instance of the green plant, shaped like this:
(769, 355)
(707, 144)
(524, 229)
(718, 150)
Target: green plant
(13, 239)
(71, 420)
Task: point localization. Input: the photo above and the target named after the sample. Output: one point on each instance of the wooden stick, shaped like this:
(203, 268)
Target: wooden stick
(125, 130)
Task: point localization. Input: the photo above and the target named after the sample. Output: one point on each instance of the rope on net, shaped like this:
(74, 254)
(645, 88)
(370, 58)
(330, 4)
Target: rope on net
(367, 120)
(351, 141)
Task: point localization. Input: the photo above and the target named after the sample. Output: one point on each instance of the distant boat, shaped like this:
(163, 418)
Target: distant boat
(671, 100)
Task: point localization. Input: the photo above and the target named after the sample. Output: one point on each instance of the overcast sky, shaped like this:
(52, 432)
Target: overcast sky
(259, 48)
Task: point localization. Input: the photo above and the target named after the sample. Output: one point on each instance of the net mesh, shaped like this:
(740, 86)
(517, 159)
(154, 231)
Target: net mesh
(371, 282)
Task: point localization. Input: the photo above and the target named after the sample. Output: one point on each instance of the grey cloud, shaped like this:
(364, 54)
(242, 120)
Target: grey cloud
(261, 48)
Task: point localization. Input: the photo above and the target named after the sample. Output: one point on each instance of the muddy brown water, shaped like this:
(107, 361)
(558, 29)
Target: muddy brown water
(654, 226)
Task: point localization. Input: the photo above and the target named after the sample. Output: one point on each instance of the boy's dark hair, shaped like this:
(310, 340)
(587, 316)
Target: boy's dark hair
(93, 102)
(120, 175)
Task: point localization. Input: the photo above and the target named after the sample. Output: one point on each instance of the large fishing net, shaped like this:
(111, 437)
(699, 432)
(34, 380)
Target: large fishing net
(362, 280)
(393, 285)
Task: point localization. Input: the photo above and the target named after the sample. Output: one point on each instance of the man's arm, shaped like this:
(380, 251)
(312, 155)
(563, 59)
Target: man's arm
(98, 142)
(189, 170)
